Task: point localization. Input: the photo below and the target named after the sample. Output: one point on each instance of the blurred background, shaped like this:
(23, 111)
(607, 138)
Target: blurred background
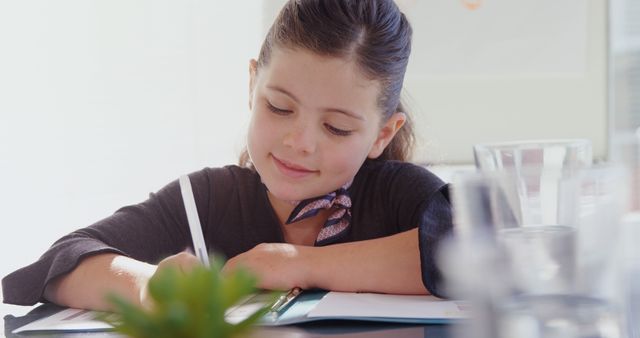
(103, 102)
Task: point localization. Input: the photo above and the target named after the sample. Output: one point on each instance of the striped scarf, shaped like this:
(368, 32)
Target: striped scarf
(338, 221)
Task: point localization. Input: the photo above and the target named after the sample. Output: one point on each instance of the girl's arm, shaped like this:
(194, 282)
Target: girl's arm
(386, 265)
(88, 284)
(96, 276)
(389, 265)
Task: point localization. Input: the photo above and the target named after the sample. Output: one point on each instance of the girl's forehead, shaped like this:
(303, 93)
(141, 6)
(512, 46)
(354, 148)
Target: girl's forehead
(319, 81)
(290, 60)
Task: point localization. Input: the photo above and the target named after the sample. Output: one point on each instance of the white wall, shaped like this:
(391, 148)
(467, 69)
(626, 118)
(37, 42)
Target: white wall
(102, 102)
(508, 70)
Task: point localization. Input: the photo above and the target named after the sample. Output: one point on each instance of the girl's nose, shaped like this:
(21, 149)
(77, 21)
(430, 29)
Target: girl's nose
(301, 139)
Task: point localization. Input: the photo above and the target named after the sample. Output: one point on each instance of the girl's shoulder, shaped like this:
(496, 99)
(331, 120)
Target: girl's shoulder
(396, 178)
(211, 181)
(390, 170)
(231, 171)
(229, 175)
(228, 188)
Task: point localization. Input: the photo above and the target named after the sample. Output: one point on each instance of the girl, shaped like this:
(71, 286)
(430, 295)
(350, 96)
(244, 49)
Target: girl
(322, 198)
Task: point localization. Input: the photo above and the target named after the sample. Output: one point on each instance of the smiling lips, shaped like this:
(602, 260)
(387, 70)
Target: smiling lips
(292, 170)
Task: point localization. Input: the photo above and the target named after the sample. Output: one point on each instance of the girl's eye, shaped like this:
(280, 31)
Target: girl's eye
(336, 131)
(277, 110)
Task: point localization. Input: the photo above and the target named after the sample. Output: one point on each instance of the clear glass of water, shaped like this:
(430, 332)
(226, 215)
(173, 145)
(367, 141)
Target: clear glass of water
(544, 233)
(542, 259)
(531, 216)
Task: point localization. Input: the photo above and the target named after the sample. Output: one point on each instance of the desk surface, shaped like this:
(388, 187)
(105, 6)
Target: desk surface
(16, 316)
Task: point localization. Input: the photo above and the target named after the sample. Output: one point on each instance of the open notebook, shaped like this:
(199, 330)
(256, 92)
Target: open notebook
(309, 306)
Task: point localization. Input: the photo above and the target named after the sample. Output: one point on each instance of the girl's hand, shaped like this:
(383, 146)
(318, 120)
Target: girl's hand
(278, 266)
(183, 262)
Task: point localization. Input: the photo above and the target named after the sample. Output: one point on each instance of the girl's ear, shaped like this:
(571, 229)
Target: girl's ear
(253, 69)
(386, 133)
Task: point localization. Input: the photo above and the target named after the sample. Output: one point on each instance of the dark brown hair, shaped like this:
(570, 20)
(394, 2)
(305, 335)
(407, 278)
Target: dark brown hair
(373, 33)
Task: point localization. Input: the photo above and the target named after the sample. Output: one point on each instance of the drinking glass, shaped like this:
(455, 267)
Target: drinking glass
(530, 216)
(534, 241)
(560, 153)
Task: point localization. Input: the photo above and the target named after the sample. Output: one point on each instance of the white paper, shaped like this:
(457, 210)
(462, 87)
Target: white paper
(332, 305)
(346, 304)
(84, 320)
(67, 320)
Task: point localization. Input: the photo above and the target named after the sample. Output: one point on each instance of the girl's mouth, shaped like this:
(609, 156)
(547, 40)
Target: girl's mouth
(291, 169)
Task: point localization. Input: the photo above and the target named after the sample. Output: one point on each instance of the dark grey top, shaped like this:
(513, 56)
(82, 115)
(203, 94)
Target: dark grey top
(388, 197)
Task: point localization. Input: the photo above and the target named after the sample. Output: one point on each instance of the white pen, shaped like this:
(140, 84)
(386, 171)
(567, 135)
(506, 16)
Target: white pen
(199, 245)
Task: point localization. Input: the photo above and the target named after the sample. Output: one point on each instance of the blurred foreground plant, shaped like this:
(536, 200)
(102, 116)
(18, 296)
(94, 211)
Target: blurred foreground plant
(190, 305)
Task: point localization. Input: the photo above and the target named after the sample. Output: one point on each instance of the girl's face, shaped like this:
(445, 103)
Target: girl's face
(315, 119)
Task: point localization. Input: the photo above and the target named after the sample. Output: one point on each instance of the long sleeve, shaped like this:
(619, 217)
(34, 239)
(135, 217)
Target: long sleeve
(436, 224)
(148, 232)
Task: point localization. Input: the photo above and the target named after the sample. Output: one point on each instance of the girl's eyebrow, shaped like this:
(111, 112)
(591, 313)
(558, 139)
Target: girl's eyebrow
(345, 112)
(295, 99)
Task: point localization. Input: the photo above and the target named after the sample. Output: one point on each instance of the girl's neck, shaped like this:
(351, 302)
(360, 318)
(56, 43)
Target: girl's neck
(303, 232)
(282, 208)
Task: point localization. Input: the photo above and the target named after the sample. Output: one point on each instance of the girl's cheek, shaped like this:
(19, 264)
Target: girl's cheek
(346, 161)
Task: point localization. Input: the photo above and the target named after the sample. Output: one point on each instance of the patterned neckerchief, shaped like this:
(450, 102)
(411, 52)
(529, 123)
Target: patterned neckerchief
(338, 221)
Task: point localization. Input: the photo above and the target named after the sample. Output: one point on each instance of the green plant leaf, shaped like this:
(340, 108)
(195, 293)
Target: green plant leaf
(191, 305)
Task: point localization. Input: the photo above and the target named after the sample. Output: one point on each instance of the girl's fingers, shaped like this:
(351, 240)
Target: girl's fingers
(183, 261)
